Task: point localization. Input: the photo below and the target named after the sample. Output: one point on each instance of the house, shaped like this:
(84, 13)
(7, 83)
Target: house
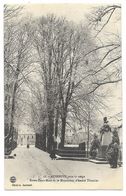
(26, 136)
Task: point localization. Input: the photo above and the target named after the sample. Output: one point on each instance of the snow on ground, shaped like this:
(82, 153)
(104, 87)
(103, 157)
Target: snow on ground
(33, 163)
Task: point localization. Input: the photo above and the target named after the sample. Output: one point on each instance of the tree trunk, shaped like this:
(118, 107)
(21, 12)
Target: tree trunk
(56, 122)
(88, 134)
(9, 136)
(63, 131)
(13, 110)
(50, 133)
(6, 102)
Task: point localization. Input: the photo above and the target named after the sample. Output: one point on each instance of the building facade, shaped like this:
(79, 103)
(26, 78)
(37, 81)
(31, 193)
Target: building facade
(26, 139)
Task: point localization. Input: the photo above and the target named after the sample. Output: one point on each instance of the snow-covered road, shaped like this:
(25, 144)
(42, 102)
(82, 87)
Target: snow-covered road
(33, 164)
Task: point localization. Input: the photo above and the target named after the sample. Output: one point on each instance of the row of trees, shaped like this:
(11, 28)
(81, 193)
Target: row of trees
(69, 63)
(17, 61)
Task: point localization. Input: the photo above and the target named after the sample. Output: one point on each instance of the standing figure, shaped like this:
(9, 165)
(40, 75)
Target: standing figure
(28, 144)
(53, 148)
(95, 144)
(115, 136)
(116, 147)
(113, 150)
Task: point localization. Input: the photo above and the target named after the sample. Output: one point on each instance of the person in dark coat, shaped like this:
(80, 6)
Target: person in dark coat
(116, 137)
(95, 144)
(113, 151)
(53, 149)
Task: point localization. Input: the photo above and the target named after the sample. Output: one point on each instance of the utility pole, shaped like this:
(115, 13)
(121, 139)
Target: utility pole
(88, 133)
(88, 128)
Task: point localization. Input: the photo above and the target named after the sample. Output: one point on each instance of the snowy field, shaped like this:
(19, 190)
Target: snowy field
(32, 164)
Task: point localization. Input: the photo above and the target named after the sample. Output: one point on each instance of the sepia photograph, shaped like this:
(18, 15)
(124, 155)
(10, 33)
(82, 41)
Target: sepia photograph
(63, 96)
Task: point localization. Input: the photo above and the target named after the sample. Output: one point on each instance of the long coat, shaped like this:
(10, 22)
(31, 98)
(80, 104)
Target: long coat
(106, 135)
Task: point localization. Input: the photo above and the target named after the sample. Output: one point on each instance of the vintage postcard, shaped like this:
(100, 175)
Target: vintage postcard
(62, 96)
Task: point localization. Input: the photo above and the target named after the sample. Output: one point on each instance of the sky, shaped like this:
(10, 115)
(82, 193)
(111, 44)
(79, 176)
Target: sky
(74, 12)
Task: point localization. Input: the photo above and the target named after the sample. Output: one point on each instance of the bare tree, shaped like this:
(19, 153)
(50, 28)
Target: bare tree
(101, 21)
(16, 62)
(11, 12)
(63, 49)
(101, 17)
(44, 39)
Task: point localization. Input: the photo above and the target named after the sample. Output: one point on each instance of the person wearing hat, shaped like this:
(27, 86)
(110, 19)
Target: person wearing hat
(95, 144)
(115, 136)
(112, 152)
(53, 148)
(116, 142)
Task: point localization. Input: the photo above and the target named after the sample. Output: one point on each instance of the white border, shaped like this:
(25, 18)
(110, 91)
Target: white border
(123, 2)
(63, 1)
(1, 101)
